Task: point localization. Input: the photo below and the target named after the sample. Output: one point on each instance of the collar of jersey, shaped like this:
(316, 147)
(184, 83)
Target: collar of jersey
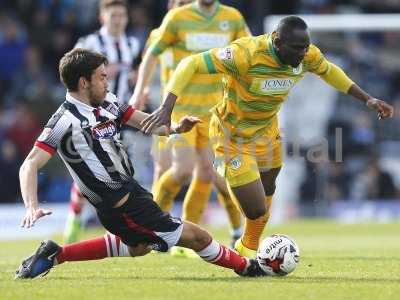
(78, 103)
(197, 10)
(104, 32)
(273, 51)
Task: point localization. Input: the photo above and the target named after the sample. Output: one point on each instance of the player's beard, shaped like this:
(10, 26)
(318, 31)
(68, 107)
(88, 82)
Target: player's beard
(96, 98)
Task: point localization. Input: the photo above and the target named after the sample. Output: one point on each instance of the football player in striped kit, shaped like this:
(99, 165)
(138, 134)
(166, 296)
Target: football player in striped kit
(121, 51)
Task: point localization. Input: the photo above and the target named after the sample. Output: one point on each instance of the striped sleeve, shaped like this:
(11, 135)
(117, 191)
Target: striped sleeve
(315, 61)
(123, 110)
(233, 60)
(53, 132)
(166, 35)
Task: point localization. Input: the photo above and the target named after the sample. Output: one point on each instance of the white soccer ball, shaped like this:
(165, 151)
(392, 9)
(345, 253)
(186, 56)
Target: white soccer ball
(278, 255)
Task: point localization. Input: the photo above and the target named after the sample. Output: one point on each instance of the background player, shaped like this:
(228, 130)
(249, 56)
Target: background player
(161, 151)
(186, 30)
(85, 131)
(121, 51)
(244, 127)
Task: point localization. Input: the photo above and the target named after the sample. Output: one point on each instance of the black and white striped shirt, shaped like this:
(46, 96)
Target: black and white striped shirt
(88, 141)
(121, 51)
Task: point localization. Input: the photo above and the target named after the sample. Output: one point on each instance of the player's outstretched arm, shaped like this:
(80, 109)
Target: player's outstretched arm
(185, 124)
(35, 160)
(383, 109)
(337, 78)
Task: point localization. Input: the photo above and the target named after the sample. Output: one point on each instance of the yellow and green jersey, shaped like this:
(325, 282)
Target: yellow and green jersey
(258, 82)
(186, 31)
(166, 59)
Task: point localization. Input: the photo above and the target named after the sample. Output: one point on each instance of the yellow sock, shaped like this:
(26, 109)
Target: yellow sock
(253, 229)
(166, 190)
(196, 200)
(234, 214)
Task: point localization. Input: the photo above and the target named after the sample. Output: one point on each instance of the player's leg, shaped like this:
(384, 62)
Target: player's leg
(255, 203)
(73, 224)
(162, 157)
(200, 241)
(268, 159)
(199, 191)
(132, 228)
(198, 195)
(195, 200)
(170, 183)
(138, 226)
(231, 206)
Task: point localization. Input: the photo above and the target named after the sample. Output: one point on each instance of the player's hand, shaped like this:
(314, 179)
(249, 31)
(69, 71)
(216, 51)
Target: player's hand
(384, 109)
(161, 116)
(32, 215)
(186, 124)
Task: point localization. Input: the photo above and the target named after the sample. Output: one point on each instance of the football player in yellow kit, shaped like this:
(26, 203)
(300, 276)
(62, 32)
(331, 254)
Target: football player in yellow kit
(187, 30)
(244, 128)
(161, 149)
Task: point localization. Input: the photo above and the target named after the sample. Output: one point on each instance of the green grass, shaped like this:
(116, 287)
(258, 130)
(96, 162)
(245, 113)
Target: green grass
(337, 262)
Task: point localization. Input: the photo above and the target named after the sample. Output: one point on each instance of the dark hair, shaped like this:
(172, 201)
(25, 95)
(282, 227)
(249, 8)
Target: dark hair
(104, 4)
(290, 23)
(79, 63)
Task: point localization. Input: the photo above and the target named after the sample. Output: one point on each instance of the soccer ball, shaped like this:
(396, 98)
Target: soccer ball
(278, 255)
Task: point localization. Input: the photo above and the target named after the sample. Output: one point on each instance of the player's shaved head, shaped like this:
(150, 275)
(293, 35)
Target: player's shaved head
(288, 25)
(292, 40)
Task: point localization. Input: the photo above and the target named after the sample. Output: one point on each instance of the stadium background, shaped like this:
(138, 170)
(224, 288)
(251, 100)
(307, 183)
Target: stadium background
(35, 34)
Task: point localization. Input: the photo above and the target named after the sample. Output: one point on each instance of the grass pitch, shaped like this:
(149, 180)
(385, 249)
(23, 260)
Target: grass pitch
(337, 262)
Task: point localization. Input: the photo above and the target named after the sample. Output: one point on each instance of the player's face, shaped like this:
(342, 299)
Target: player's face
(97, 87)
(293, 46)
(207, 2)
(115, 18)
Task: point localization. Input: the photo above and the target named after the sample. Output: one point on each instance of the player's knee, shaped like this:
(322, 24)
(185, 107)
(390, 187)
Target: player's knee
(194, 237)
(139, 250)
(205, 172)
(182, 171)
(256, 212)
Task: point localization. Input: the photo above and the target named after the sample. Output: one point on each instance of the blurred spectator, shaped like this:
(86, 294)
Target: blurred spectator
(24, 130)
(12, 47)
(141, 24)
(337, 183)
(9, 167)
(362, 134)
(33, 85)
(373, 183)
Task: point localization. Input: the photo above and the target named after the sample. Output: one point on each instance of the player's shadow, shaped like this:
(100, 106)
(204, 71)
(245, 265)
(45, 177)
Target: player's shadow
(289, 279)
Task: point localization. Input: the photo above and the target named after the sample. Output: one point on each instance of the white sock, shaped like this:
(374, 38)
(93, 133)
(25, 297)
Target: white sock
(115, 247)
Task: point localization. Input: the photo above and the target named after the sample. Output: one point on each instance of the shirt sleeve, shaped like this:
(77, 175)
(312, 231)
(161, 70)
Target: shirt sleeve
(315, 61)
(125, 111)
(233, 60)
(242, 30)
(53, 132)
(167, 34)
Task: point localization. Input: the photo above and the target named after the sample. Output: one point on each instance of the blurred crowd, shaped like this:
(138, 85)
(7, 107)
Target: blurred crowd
(34, 34)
